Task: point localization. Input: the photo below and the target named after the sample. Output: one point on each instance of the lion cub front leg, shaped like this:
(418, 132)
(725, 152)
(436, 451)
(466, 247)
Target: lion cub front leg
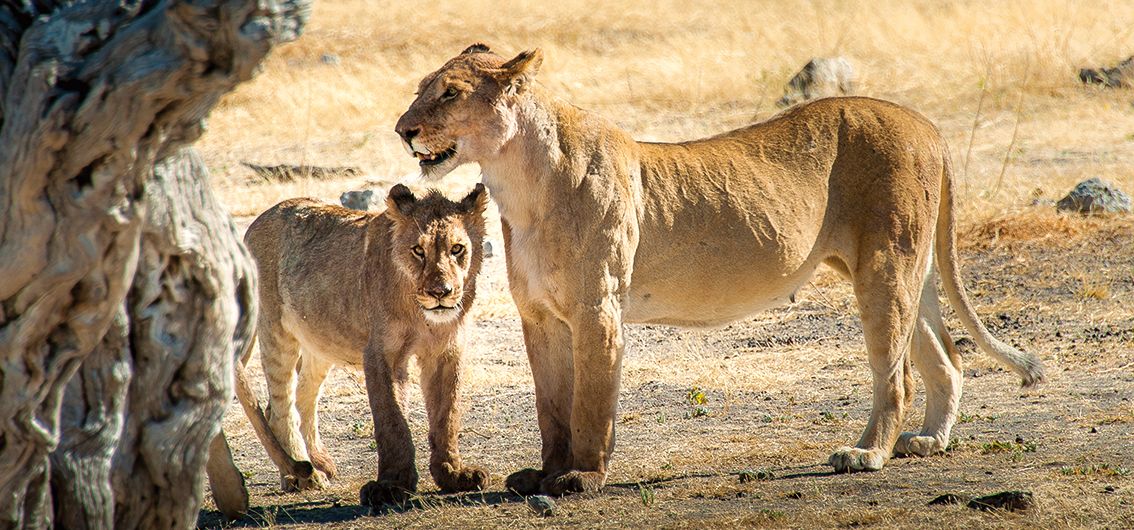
(440, 379)
(386, 380)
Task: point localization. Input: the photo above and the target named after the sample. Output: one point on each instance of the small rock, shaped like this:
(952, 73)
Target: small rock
(965, 344)
(1013, 501)
(542, 505)
(358, 200)
(1094, 430)
(489, 248)
(821, 77)
(947, 499)
(1121, 76)
(1109, 489)
(329, 58)
(1095, 196)
(753, 476)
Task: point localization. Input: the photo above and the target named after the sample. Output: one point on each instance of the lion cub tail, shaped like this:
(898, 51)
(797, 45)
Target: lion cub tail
(1027, 365)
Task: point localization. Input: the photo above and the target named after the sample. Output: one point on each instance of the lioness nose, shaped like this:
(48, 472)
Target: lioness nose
(407, 133)
(440, 291)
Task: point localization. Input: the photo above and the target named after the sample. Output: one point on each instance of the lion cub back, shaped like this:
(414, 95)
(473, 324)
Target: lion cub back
(313, 260)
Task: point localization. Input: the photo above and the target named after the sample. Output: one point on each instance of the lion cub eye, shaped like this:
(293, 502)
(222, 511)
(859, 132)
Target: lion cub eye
(418, 251)
(449, 93)
(457, 249)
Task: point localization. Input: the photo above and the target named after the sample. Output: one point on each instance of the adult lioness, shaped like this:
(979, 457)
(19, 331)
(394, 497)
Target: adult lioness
(355, 288)
(600, 229)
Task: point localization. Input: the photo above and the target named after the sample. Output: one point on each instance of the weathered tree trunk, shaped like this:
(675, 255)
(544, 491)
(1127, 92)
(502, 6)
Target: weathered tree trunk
(91, 95)
(191, 307)
(90, 425)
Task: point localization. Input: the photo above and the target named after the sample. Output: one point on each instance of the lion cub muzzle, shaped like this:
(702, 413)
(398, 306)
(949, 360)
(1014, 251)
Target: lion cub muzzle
(440, 301)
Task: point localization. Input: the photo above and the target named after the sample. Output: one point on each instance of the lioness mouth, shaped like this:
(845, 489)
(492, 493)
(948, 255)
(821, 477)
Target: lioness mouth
(439, 308)
(432, 159)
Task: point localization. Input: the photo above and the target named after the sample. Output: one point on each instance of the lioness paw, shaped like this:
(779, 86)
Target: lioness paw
(466, 478)
(378, 493)
(851, 459)
(914, 444)
(574, 482)
(525, 481)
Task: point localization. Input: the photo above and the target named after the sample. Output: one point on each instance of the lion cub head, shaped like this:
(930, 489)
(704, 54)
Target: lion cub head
(462, 111)
(437, 244)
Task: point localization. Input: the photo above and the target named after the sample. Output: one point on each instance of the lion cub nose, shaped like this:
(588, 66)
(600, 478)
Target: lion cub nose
(440, 291)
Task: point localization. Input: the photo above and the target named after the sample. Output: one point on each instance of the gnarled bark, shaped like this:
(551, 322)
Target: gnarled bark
(91, 95)
(191, 308)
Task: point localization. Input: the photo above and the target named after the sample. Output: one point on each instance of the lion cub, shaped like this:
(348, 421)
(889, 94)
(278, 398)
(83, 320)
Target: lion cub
(344, 287)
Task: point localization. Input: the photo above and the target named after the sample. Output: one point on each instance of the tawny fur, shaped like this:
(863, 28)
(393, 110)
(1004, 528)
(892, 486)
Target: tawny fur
(350, 288)
(600, 230)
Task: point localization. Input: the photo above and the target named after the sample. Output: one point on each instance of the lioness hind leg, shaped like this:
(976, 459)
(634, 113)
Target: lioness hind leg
(312, 372)
(939, 364)
(888, 312)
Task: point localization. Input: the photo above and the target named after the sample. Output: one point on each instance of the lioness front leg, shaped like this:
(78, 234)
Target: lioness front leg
(597, 353)
(386, 380)
(548, 343)
(440, 376)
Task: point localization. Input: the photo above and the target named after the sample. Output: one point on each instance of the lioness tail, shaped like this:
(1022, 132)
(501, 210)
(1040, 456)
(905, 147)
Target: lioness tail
(1028, 366)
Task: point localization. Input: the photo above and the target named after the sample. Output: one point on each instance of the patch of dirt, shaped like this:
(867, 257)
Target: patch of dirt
(780, 393)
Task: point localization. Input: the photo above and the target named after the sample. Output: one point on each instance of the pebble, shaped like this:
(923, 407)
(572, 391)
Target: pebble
(542, 505)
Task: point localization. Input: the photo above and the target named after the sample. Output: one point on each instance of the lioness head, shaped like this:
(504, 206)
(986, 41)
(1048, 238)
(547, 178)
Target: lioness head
(437, 243)
(462, 111)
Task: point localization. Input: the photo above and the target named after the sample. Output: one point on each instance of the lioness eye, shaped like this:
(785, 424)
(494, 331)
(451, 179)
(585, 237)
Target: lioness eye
(449, 93)
(418, 251)
(457, 250)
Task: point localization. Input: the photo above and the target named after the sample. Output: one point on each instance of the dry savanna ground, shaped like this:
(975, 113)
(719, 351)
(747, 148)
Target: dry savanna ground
(775, 394)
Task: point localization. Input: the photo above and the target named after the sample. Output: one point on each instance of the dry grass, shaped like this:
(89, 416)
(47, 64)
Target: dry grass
(666, 72)
(780, 391)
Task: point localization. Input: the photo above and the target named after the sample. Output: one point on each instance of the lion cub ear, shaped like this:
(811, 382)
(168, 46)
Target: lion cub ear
(519, 73)
(476, 201)
(400, 201)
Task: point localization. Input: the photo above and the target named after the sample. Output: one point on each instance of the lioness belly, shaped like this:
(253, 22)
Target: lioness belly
(698, 298)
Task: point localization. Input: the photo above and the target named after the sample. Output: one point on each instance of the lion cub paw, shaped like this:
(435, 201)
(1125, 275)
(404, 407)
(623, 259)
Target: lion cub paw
(322, 462)
(466, 478)
(915, 444)
(525, 481)
(851, 459)
(378, 493)
(573, 482)
(308, 479)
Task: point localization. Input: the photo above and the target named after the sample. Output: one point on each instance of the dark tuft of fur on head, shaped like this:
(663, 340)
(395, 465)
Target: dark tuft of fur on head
(478, 47)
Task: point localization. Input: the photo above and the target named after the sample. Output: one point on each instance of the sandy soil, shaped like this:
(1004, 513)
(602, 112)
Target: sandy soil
(781, 392)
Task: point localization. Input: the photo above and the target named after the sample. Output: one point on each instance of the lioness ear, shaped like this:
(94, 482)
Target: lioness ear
(400, 201)
(476, 201)
(519, 73)
(478, 47)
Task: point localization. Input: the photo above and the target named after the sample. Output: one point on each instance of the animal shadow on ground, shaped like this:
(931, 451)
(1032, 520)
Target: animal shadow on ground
(334, 510)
